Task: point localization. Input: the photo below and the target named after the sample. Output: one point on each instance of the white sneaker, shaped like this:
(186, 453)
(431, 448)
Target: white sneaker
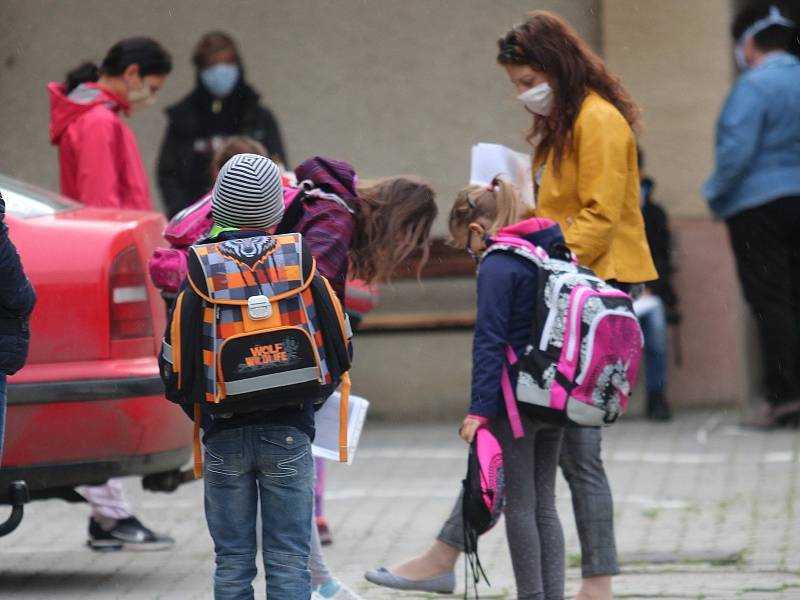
(334, 590)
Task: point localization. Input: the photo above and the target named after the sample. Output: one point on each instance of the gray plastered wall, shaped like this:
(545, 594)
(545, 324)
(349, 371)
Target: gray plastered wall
(406, 87)
(394, 86)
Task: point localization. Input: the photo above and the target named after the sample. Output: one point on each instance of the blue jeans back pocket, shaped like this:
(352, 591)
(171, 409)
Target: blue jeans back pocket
(284, 454)
(224, 453)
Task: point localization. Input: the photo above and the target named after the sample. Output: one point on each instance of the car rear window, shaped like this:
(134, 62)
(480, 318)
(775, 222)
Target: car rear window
(27, 201)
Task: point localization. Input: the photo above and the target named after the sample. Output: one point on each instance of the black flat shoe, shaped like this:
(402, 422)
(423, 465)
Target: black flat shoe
(657, 407)
(787, 414)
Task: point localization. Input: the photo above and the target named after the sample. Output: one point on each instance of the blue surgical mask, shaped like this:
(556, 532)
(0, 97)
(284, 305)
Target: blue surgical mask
(220, 79)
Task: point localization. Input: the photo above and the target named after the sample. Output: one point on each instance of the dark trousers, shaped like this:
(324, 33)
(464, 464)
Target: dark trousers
(766, 245)
(592, 504)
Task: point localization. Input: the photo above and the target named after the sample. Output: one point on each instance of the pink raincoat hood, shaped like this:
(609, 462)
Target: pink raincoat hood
(64, 110)
(526, 227)
(99, 159)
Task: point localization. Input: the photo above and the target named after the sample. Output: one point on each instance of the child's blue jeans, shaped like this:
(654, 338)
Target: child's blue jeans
(654, 327)
(270, 465)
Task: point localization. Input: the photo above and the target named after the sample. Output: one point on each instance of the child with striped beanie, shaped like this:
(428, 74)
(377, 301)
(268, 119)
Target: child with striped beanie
(248, 194)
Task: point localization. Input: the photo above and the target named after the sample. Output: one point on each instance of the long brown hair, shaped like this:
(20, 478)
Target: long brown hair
(499, 203)
(395, 220)
(546, 42)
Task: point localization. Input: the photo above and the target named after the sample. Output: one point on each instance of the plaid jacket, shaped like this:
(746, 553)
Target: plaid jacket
(327, 228)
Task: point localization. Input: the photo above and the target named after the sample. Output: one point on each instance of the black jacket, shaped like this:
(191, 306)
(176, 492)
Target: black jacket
(194, 133)
(16, 303)
(659, 237)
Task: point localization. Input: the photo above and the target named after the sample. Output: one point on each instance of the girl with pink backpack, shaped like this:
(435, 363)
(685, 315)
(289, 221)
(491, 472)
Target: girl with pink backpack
(507, 289)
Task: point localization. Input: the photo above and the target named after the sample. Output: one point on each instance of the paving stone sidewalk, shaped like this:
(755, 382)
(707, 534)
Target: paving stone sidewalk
(704, 510)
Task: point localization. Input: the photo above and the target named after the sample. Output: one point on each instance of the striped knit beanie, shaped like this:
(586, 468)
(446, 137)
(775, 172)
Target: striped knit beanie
(248, 193)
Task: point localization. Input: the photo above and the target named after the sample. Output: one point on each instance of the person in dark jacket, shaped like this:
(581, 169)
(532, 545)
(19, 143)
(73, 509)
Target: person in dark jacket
(658, 306)
(221, 105)
(659, 238)
(17, 299)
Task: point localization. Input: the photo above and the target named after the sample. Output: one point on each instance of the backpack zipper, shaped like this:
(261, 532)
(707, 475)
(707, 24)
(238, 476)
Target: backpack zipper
(574, 315)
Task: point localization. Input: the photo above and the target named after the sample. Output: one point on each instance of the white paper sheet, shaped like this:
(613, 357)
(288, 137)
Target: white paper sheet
(326, 441)
(490, 160)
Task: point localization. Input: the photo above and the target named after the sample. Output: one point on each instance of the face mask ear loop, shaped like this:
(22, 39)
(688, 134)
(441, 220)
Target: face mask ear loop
(773, 18)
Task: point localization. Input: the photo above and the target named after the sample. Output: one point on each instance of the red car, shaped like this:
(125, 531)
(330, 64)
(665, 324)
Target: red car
(89, 403)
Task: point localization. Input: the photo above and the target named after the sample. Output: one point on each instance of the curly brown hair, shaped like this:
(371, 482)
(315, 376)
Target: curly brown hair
(546, 42)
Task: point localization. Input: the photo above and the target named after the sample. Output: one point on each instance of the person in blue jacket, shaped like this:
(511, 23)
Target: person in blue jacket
(17, 299)
(755, 188)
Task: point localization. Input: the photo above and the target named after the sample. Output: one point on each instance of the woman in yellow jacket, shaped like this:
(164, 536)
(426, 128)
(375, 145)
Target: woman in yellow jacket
(594, 196)
(587, 180)
(585, 166)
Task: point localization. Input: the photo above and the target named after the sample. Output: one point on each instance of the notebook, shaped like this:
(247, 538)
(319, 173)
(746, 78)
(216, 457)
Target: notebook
(491, 160)
(326, 441)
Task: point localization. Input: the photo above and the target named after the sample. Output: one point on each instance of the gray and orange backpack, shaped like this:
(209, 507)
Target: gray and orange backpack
(256, 329)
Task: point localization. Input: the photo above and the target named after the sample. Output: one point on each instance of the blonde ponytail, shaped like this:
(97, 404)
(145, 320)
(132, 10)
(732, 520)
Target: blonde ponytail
(509, 208)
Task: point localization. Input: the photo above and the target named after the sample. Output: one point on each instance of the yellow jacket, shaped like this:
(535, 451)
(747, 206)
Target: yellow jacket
(595, 197)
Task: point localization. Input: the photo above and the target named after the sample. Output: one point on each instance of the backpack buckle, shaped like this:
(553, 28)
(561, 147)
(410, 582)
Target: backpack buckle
(259, 307)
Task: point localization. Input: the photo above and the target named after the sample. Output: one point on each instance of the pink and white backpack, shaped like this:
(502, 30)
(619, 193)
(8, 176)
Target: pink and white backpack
(583, 356)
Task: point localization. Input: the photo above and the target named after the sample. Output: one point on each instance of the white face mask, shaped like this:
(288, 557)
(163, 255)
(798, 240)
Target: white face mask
(538, 99)
(140, 98)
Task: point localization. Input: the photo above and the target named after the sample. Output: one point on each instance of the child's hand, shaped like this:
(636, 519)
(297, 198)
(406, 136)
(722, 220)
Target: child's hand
(468, 429)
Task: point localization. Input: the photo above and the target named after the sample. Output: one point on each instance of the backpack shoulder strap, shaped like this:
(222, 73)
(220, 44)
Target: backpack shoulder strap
(519, 247)
(196, 274)
(307, 261)
(293, 200)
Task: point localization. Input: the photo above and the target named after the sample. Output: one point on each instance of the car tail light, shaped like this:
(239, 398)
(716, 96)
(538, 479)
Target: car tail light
(130, 308)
